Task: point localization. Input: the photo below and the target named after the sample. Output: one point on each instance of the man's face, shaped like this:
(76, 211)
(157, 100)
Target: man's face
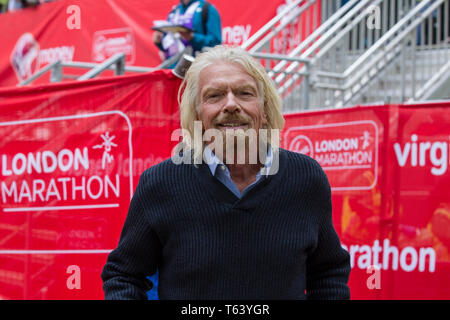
(229, 98)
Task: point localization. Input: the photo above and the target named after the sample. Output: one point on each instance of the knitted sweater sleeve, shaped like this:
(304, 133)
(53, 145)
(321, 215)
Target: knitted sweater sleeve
(328, 266)
(137, 254)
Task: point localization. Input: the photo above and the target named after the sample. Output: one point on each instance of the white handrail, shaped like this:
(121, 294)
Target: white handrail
(316, 33)
(380, 55)
(270, 24)
(293, 15)
(370, 58)
(355, 11)
(338, 61)
(400, 37)
(366, 55)
(436, 79)
(118, 58)
(330, 33)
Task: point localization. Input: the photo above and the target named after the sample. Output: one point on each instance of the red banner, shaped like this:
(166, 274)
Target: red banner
(69, 166)
(92, 31)
(71, 156)
(388, 169)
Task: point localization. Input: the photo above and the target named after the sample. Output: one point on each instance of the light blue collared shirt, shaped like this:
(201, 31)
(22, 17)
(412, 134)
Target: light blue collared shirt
(221, 172)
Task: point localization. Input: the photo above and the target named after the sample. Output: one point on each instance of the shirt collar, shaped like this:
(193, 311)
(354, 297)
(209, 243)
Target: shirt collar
(213, 162)
(211, 159)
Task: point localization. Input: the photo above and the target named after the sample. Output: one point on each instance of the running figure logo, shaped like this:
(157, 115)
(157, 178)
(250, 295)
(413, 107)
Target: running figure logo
(366, 138)
(107, 144)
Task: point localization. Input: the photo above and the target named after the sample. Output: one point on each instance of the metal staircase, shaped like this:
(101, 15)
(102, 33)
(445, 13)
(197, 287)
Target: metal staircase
(365, 52)
(336, 53)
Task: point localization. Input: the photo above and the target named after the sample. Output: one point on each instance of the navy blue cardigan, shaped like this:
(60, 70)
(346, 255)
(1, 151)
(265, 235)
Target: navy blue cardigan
(276, 242)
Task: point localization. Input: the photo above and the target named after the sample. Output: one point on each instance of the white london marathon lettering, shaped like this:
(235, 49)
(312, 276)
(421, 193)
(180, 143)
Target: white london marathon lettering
(45, 176)
(344, 152)
(63, 188)
(45, 161)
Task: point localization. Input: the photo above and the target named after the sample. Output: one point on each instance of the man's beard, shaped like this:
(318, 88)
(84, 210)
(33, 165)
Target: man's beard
(238, 146)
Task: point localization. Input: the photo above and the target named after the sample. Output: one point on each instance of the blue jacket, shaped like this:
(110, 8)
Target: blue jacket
(210, 37)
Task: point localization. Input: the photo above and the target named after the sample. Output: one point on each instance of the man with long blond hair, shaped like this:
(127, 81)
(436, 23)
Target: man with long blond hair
(230, 215)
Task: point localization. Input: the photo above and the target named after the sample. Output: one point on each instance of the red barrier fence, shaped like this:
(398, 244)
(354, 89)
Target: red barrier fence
(92, 31)
(388, 169)
(71, 155)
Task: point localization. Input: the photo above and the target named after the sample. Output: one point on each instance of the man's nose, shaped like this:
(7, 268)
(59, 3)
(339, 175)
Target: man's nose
(231, 104)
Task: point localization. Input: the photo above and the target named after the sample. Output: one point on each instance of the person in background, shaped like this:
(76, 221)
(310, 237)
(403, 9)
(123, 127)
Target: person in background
(3, 5)
(198, 15)
(14, 5)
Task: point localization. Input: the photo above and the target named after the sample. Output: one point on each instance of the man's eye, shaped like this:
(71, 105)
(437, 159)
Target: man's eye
(246, 93)
(212, 96)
